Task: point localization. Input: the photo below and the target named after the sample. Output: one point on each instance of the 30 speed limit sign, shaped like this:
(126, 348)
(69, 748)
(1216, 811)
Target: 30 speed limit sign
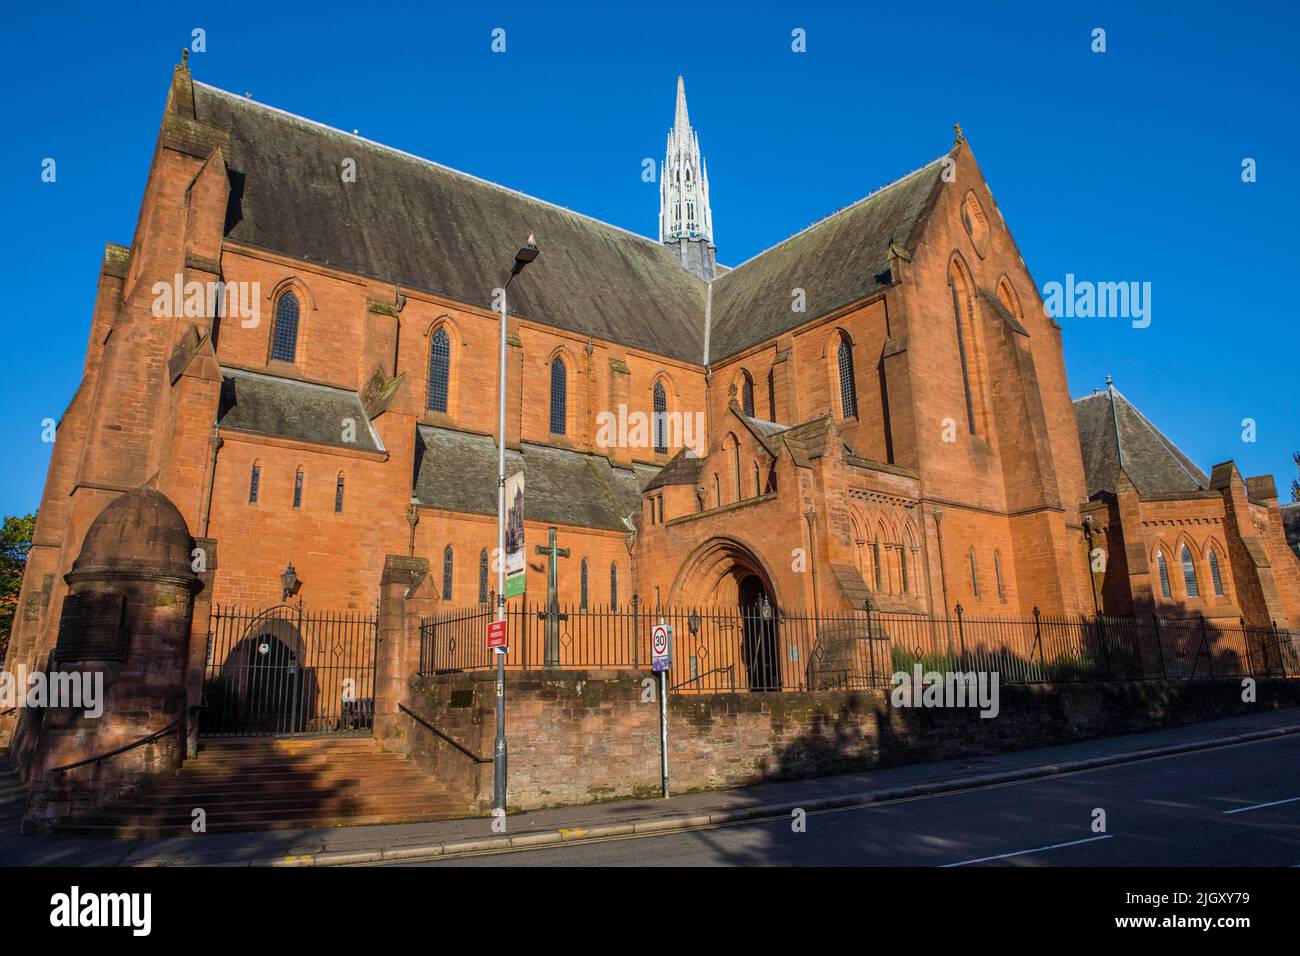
(661, 641)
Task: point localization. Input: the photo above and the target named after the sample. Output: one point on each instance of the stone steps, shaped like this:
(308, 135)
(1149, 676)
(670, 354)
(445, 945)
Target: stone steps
(271, 783)
(13, 797)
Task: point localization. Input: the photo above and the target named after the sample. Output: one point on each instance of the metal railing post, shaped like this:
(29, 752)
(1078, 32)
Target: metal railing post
(636, 630)
(1160, 646)
(1038, 643)
(1209, 650)
(961, 635)
(871, 644)
(1105, 651)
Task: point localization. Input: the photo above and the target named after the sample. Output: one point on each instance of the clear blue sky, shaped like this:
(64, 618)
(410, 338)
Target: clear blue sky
(1117, 166)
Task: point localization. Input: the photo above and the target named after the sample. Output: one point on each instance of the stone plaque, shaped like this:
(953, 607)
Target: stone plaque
(91, 628)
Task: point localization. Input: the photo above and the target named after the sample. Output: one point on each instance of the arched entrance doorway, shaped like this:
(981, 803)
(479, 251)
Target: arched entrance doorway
(288, 670)
(737, 639)
(760, 640)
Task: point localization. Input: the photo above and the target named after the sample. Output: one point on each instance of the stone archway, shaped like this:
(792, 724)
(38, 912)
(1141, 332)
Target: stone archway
(739, 625)
(713, 575)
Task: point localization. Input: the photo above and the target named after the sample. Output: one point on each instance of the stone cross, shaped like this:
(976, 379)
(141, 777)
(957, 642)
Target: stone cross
(552, 614)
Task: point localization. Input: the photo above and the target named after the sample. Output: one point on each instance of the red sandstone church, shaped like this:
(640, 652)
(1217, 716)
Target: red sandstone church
(883, 401)
(873, 412)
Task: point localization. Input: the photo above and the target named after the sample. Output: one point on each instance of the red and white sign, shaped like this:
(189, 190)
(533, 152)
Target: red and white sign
(496, 634)
(661, 636)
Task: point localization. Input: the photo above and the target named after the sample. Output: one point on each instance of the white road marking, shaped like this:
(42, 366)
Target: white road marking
(1261, 806)
(1054, 846)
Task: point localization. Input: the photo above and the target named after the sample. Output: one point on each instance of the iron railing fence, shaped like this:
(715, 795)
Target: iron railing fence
(719, 650)
(288, 670)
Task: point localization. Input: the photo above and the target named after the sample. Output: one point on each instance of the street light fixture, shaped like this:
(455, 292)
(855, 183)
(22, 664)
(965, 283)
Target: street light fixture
(526, 254)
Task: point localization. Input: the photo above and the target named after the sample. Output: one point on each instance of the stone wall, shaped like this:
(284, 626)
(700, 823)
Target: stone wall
(579, 737)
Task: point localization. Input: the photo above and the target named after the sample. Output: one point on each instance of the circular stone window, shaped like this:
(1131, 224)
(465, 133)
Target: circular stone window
(976, 223)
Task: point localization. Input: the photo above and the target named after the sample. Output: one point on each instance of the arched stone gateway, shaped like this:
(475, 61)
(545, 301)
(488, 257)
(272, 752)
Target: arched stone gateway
(714, 573)
(739, 630)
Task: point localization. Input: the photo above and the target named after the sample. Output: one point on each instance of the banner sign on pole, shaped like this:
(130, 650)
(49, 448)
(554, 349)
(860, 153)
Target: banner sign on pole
(496, 634)
(516, 567)
(661, 640)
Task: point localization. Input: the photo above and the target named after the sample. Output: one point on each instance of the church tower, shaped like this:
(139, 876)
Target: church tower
(685, 220)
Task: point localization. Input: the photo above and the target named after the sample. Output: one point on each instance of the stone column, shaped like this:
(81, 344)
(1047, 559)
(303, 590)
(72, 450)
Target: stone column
(201, 620)
(406, 596)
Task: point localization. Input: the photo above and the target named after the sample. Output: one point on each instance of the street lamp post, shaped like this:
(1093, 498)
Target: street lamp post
(526, 254)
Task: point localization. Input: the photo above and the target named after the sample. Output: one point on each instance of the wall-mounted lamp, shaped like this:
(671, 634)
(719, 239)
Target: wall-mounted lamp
(290, 581)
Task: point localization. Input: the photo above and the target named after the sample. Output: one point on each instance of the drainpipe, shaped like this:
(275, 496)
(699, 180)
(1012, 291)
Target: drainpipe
(708, 409)
(810, 516)
(587, 417)
(943, 576)
(215, 442)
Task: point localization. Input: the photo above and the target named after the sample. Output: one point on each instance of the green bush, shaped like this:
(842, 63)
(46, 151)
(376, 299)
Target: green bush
(1073, 667)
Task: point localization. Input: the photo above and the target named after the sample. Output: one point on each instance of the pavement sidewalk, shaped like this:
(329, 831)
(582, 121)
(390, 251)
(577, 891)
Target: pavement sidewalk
(394, 842)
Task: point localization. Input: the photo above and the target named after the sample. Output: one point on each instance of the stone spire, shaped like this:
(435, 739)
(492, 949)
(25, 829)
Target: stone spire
(685, 219)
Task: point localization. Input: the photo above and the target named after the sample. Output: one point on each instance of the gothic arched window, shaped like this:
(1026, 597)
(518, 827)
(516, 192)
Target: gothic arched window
(1189, 573)
(974, 575)
(559, 396)
(439, 371)
(997, 573)
(1164, 573)
(297, 489)
(254, 483)
(660, 418)
(963, 319)
(613, 584)
(747, 394)
(735, 468)
(483, 576)
(848, 385)
(1215, 574)
(583, 592)
(338, 494)
(446, 573)
(284, 338)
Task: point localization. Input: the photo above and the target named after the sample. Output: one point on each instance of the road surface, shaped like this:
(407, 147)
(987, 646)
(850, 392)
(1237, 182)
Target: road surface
(1227, 806)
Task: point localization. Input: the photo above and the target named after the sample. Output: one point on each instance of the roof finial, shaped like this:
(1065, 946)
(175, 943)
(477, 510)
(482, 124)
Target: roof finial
(1109, 383)
(961, 137)
(185, 56)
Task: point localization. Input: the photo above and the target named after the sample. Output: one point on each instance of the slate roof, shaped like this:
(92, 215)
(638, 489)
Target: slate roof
(457, 471)
(287, 408)
(1113, 433)
(808, 440)
(415, 223)
(418, 224)
(683, 469)
(836, 261)
(765, 428)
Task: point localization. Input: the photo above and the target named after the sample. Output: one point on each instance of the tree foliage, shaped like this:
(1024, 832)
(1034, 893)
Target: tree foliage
(15, 542)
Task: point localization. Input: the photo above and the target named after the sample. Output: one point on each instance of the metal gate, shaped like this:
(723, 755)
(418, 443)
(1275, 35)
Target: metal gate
(287, 670)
